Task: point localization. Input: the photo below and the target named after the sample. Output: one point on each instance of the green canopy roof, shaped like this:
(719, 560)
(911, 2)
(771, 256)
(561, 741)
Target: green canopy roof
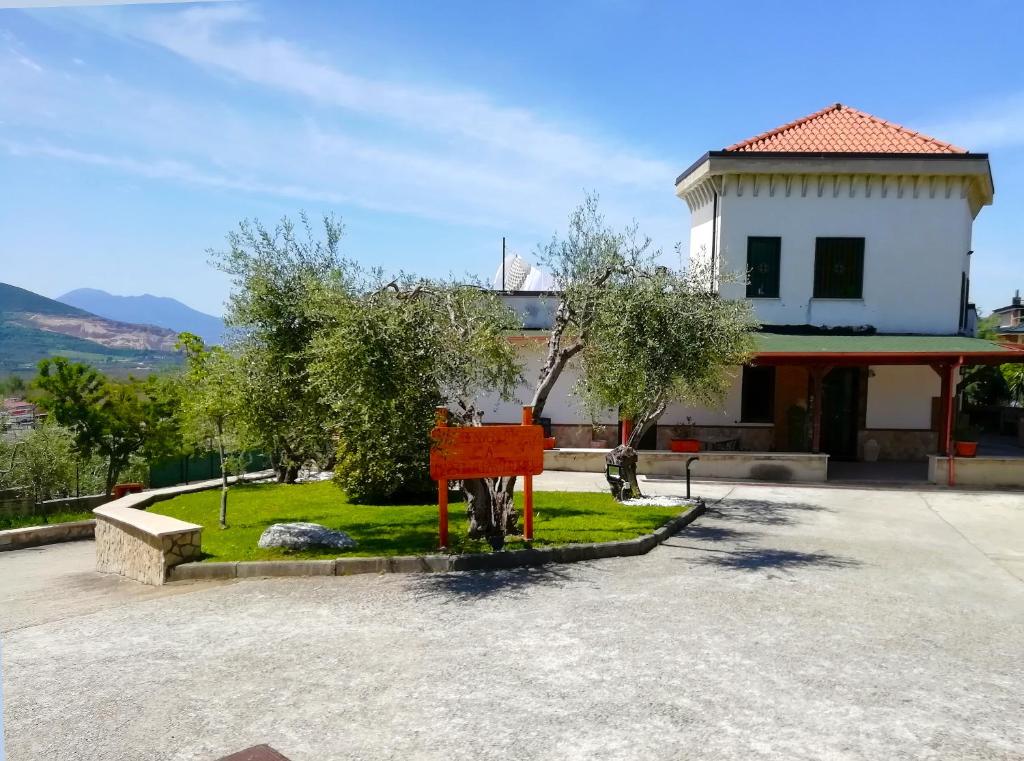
(885, 348)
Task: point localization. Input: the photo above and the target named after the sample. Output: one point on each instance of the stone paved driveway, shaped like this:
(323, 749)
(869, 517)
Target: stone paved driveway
(788, 623)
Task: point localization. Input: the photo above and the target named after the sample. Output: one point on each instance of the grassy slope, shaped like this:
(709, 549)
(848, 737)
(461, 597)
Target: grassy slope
(559, 518)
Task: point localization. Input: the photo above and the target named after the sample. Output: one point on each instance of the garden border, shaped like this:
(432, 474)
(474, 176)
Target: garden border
(47, 533)
(53, 533)
(491, 561)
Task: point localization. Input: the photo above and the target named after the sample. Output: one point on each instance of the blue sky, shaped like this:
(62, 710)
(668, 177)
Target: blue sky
(133, 137)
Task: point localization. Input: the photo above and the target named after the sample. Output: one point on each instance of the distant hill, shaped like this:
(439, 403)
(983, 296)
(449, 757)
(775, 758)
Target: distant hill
(33, 327)
(148, 310)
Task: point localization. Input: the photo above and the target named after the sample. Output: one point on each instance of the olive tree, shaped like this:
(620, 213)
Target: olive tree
(275, 274)
(390, 353)
(40, 464)
(659, 338)
(588, 261)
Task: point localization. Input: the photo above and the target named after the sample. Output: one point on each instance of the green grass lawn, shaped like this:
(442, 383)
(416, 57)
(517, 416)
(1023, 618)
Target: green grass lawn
(24, 521)
(559, 518)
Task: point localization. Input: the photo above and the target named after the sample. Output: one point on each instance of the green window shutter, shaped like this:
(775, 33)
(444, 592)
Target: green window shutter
(763, 265)
(839, 268)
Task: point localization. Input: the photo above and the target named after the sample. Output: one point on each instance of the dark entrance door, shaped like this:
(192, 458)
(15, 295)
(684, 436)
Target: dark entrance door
(840, 394)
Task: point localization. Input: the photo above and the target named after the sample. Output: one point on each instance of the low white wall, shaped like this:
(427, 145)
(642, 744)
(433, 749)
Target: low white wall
(993, 472)
(758, 466)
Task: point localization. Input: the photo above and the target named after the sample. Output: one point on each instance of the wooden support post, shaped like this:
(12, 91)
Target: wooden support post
(948, 407)
(627, 429)
(442, 514)
(528, 486)
(945, 409)
(441, 420)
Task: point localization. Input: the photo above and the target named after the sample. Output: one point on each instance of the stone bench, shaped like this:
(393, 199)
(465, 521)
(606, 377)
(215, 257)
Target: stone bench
(141, 545)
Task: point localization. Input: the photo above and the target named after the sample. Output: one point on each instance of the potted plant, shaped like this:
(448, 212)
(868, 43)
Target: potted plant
(688, 443)
(965, 440)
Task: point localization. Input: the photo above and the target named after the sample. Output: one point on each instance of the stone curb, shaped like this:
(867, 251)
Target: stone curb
(568, 553)
(36, 536)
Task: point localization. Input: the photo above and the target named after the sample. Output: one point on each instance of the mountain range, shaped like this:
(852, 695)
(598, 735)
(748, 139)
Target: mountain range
(33, 327)
(148, 310)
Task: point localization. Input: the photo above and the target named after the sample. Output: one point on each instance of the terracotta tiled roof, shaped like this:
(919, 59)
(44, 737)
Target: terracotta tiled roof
(841, 129)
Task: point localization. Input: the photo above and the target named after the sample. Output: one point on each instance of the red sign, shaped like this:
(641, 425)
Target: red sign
(486, 452)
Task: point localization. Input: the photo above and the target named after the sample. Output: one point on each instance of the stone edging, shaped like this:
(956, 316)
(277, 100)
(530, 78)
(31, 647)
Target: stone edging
(34, 536)
(569, 553)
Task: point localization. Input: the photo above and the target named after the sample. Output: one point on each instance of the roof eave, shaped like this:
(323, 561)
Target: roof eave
(741, 162)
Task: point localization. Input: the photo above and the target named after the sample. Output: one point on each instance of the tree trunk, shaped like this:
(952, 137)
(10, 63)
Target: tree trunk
(626, 486)
(491, 511)
(113, 471)
(223, 479)
(625, 456)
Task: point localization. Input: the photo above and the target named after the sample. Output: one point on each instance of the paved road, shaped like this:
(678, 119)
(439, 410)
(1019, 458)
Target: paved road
(788, 623)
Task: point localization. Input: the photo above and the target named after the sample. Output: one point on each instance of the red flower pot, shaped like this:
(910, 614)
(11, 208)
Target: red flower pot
(684, 445)
(549, 442)
(965, 448)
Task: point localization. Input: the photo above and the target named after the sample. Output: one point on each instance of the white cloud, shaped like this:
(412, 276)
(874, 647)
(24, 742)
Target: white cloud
(315, 132)
(224, 38)
(995, 123)
(24, 4)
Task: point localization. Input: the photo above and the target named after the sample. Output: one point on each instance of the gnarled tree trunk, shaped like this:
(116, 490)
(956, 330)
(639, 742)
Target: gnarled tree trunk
(624, 457)
(492, 513)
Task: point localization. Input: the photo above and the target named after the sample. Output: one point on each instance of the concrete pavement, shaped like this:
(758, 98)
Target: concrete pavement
(787, 623)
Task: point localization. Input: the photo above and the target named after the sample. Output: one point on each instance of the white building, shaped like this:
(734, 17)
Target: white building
(854, 236)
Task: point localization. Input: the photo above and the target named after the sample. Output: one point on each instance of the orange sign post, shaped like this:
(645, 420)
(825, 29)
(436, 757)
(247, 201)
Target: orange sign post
(489, 451)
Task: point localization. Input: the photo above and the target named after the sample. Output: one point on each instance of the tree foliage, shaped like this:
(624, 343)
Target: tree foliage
(212, 404)
(40, 464)
(112, 419)
(275, 276)
(387, 356)
(658, 338)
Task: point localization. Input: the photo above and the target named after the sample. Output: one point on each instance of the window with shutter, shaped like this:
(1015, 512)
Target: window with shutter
(763, 260)
(839, 268)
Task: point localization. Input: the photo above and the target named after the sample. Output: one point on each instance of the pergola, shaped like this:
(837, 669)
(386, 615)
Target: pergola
(819, 353)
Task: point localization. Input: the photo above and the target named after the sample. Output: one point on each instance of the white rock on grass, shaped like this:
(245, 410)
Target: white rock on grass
(304, 536)
(659, 502)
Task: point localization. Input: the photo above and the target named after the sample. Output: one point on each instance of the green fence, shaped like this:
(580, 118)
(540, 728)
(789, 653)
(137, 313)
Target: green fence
(198, 467)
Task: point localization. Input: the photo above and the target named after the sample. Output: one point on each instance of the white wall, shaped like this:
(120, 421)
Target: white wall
(901, 397)
(914, 252)
(562, 406)
(701, 232)
(725, 413)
